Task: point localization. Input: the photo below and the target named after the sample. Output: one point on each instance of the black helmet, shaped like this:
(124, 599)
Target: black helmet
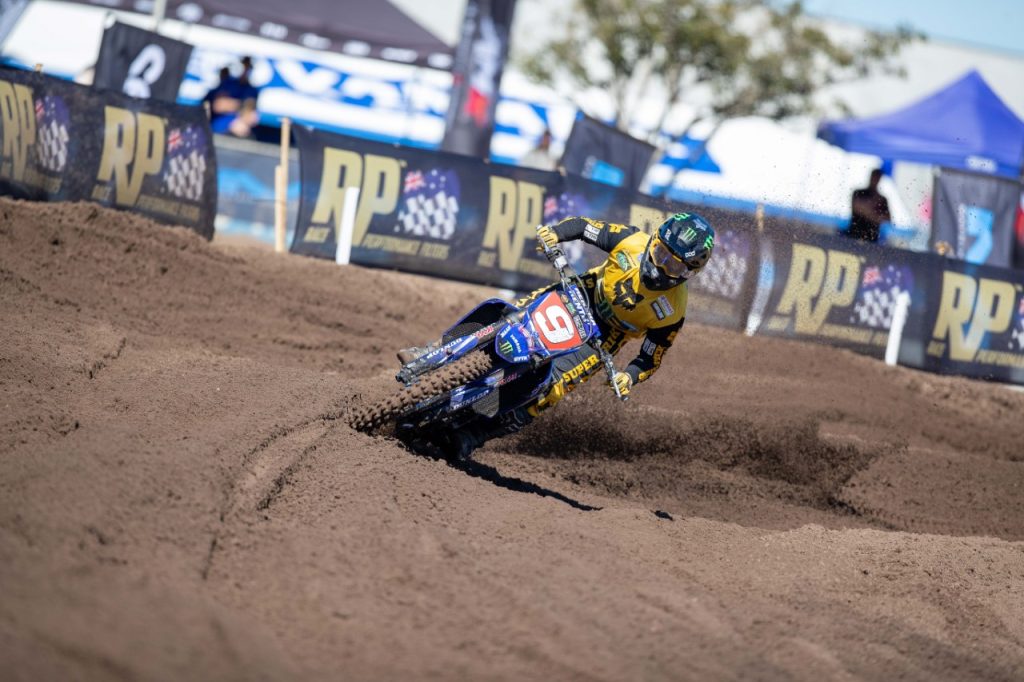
(678, 250)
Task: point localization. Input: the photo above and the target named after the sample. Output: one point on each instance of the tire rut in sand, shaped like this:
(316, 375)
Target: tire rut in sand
(265, 472)
(924, 491)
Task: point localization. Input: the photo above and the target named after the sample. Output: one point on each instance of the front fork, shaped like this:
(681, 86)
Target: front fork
(609, 368)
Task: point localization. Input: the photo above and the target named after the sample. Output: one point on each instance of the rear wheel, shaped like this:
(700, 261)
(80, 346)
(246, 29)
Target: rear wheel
(462, 371)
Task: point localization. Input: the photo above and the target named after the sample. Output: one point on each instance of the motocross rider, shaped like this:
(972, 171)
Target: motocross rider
(639, 291)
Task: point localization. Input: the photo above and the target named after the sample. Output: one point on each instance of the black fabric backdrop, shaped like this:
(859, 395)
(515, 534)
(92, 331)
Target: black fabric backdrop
(422, 211)
(141, 63)
(461, 218)
(60, 141)
(963, 319)
(375, 29)
(974, 324)
(975, 214)
(603, 153)
(838, 291)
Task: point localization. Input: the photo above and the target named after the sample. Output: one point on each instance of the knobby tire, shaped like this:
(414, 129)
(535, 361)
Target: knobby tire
(462, 371)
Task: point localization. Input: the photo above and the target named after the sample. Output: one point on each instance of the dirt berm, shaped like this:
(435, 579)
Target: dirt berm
(181, 498)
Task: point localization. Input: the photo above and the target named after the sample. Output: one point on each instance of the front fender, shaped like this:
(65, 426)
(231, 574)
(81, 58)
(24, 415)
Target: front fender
(512, 344)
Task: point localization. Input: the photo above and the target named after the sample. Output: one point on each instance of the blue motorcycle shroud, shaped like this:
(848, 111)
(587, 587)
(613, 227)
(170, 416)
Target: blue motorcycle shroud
(554, 324)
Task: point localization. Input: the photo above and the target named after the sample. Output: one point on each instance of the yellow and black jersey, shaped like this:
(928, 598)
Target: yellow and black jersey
(620, 297)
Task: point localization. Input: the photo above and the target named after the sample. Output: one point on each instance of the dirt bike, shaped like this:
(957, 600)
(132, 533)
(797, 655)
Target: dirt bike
(495, 359)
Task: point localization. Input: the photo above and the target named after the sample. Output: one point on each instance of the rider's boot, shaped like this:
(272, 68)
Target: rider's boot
(407, 355)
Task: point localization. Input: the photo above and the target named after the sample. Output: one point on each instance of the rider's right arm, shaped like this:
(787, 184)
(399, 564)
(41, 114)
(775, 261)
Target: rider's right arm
(605, 236)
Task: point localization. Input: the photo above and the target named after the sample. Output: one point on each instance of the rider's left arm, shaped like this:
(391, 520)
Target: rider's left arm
(656, 342)
(605, 236)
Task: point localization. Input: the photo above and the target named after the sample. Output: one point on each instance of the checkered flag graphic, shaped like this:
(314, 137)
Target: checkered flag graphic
(876, 306)
(186, 163)
(431, 204)
(1017, 335)
(52, 147)
(723, 275)
(184, 176)
(434, 216)
(879, 292)
(52, 139)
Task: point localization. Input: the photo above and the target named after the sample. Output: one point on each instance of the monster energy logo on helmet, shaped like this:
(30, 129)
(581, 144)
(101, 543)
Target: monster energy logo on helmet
(690, 237)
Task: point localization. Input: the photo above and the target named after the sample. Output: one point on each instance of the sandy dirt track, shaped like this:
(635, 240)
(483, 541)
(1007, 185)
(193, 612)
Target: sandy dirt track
(181, 498)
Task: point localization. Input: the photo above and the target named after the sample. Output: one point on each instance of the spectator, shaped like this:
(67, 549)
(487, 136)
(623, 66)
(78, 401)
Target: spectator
(869, 209)
(232, 102)
(216, 99)
(540, 156)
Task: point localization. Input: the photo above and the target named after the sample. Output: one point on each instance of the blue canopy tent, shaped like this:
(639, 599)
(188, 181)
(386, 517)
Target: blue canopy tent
(963, 126)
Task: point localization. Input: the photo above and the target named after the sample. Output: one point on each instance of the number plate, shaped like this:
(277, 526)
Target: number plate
(554, 324)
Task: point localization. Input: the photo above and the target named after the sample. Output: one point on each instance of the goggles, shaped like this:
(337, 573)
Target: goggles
(671, 264)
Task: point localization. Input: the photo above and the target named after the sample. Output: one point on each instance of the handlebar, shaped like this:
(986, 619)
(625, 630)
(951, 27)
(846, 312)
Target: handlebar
(566, 273)
(568, 276)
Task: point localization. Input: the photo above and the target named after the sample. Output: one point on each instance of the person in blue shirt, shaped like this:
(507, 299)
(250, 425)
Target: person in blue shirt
(232, 102)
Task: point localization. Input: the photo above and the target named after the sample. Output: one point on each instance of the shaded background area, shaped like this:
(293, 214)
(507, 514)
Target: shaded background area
(180, 495)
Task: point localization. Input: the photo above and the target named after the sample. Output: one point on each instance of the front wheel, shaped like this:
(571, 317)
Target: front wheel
(469, 368)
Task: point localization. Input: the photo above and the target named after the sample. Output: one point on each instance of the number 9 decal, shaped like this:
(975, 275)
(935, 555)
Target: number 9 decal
(554, 324)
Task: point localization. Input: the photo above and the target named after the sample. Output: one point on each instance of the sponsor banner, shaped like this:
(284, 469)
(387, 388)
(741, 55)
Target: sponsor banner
(975, 323)
(421, 211)
(963, 318)
(604, 154)
(828, 289)
(141, 63)
(60, 141)
(975, 215)
(479, 63)
(458, 217)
